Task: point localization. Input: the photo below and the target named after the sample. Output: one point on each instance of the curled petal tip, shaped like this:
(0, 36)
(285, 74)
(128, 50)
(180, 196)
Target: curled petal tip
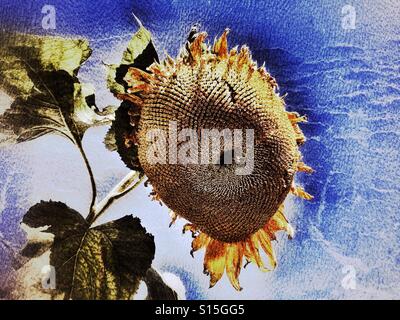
(237, 286)
(299, 192)
(185, 228)
(189, 227)
(301, 166)
(137, 20)
(214, 279)
(290, 231)
(173, 217)
(264, 269)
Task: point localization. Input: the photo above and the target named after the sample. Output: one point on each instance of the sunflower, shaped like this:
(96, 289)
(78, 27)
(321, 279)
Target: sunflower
(232, 217)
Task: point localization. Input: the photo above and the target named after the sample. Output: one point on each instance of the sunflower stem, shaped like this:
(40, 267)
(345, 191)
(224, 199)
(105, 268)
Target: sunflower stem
(91, 176)
(127, 184)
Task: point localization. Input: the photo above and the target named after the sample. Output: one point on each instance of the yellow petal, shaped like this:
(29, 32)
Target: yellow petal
(299, 192)
(243, 57)
(232, 56)
(214, 261)
(135, 74)
(169, 61)
(173, 217)
(234, 257)
(199, 242)
(251, 252)
(301, 166)
(265, 242)
(294, 117)
(300, 138)
(141, 87)
(131, 98)
(279, 222)
(157, 70)
(196, 47)
(221, 45)
(189, 227)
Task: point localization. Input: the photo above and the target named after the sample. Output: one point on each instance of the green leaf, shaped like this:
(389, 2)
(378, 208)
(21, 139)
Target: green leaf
(114, 82)
(40, 73)
(109, 140)
(103, 262)
(156, 288)
(117, 137)
(140, 49)
(140, 53)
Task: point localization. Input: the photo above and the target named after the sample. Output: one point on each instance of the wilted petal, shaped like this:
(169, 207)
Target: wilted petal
(265, 242)
(196, 47)
(221, 45)
(214, 261)
(299, 192)
(199, 242)
(301, 166)
(234, 257)
(251, 252)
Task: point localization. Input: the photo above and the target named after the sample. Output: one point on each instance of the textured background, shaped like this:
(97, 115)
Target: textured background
(346, 81)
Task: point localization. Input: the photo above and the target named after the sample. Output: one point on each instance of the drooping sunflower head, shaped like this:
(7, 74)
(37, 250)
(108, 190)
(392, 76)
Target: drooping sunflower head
(210, 87)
